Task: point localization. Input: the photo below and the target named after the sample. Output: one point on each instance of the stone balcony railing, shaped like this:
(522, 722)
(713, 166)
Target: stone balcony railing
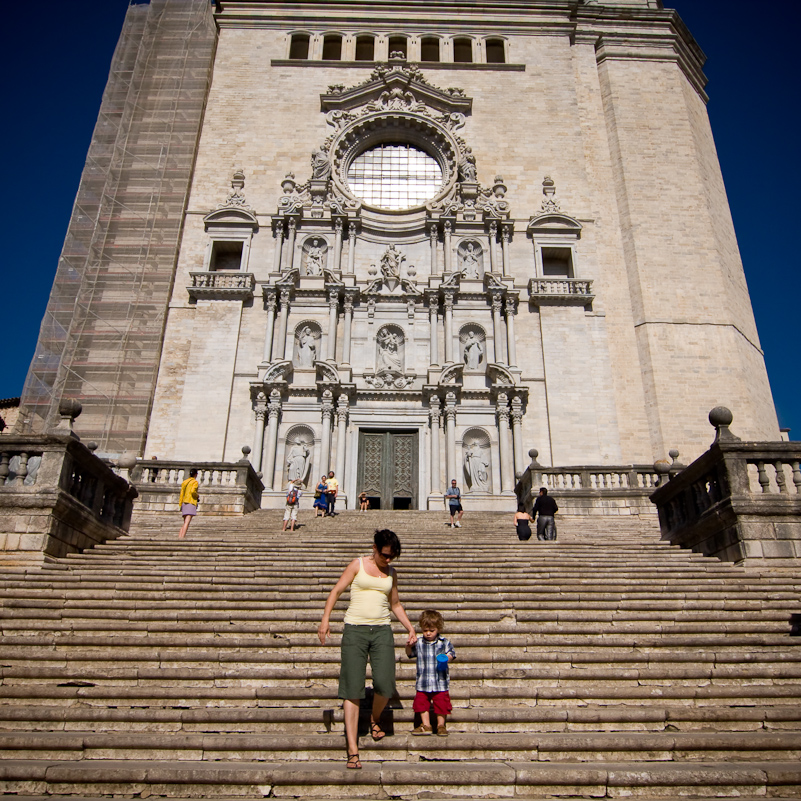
(739, 501)
(57, 497)
(226, 488)
(560, 291)
(229, 285)
(591, 489)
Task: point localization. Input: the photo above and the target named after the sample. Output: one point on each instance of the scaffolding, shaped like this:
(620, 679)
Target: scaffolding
(101, 337)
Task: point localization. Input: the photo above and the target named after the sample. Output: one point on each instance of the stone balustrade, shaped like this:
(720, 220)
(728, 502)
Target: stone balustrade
(231, 285)
(57, 497)
(560, 291)
(591, 489)
(739, 501)
(227, 488)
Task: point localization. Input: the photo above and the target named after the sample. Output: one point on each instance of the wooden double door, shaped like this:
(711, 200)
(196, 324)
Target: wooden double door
(388, 468)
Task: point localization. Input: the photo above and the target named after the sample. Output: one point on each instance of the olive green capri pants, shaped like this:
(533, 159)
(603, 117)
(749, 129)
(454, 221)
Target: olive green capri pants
(360, 643)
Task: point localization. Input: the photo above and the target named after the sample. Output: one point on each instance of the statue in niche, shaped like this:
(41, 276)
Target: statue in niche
(468, 167)
(473, 351)
(314, 258)
(307, 347)
(389, 355)
(297, 461)
(321, 165)
(470, 264)
(476, 467)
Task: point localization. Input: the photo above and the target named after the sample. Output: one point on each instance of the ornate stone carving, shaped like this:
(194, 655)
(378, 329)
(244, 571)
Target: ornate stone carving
(342, 408)
(473, 342)
(298, 454)
(315, 255)
(550, 203)
(471, 260)
(476, 460)
(451, 375)
(307, 344)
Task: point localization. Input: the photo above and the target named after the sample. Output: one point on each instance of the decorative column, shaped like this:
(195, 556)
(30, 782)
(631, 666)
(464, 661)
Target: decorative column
(278, 235)
(517, 436)
(493, 233)
(432, 238)
(333, 307)
(293, 224)
(269, 293)
(347, 303)
(448, 297)
(342, 431)
(260, 410)
(497, 331)
(337, 243)
(279, 343)
(273, 411)
(507, 467)
(435, 414)
(510, 304)
(446, 235)
(352, 247)
(506, 235)
(327, 409)
(433, 306)
(450, 436)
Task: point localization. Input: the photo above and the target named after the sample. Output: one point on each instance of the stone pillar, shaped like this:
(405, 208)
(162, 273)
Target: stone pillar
(327, 409)
(269, 294)
(510, 304)
(507, 466)
(450, 436)
(446, 235)
(435, 413)
(333, 308)
(433, 307)
(260, 410)
(279, 343)
(448, 297)
(293, 225)
(278, 235)
(432, 238)
(506, 235)
(497, 330)
(352, 247)
(517, 436)
(273, 412)
(493, 233)
(342, 432)
(347, 303)
(337, 244)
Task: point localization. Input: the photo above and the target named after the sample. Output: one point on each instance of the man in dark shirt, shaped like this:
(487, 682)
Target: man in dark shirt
(547, 508)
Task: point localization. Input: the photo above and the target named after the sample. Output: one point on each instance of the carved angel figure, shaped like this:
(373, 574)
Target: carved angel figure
(477, 468)
(389, 357)
(473, 352)
(307, 347)
(297, 461)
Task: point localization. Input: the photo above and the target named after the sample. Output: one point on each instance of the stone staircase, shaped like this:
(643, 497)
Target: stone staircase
(604, 665)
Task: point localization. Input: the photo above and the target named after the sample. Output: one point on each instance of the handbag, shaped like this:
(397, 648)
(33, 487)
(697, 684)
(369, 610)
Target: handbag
(317, 494)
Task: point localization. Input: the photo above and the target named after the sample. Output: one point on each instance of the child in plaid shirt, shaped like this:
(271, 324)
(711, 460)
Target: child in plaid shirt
(432, 684)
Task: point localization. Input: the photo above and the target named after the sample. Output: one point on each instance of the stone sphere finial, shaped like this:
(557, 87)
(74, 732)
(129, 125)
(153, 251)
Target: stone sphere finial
(662, 469)
(534, 453)
(720, 417)
(70, 408)
(673, 454)
(92, 446)
(245, 450)
(127, 461)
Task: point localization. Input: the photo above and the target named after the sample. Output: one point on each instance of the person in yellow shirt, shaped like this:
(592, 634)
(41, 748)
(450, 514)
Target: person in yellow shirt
(331, 492)
(188, 500)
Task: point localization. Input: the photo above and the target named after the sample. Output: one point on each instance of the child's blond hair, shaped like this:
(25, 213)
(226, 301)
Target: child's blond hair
(431, 619)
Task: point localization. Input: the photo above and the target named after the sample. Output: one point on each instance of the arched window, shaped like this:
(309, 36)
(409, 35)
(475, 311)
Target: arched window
(496, 52)
(429, 48)
(299, 46)
(398, 44)
(365, 48)
(332, 47)
(463, 50)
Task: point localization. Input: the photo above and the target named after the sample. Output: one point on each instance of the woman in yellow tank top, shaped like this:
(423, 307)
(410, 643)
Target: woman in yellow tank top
(368, 635)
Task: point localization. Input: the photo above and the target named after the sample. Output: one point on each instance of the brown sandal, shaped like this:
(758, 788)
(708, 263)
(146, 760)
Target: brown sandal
(354, 762)
(376, 732)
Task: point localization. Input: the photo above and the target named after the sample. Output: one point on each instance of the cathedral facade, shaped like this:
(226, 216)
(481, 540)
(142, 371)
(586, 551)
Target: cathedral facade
(417, 242)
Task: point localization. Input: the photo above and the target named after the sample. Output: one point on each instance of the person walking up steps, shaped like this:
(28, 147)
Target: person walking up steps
(293, 492)
(188, 501)
(433, 654)
(454, 497)
(547, 508)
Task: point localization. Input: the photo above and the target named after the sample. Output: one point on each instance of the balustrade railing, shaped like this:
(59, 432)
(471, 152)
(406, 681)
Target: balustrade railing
(230, 285)
(564, 290)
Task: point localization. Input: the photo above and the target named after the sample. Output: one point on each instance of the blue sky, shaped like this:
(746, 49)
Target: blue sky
(54, 74)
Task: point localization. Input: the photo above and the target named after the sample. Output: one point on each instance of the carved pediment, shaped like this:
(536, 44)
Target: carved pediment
(500, 376)
(554, 223)
(451, 374)
(231, 216)
(326, 373)
(278, 372)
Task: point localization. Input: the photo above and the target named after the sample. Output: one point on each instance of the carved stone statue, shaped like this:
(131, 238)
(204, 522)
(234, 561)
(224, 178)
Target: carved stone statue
(468, 167)
(321, 166)
(477, 468)
(307, 347)
(389, 355)
(473, 351)
(470, 265)
(297, 461)
(314, 259)
(391, 262)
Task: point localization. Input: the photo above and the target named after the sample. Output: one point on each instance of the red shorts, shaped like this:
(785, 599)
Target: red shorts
(441, 701)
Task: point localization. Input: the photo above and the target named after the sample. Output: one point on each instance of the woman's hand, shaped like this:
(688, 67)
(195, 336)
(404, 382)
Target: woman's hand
(324, 631)
(412, 638)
